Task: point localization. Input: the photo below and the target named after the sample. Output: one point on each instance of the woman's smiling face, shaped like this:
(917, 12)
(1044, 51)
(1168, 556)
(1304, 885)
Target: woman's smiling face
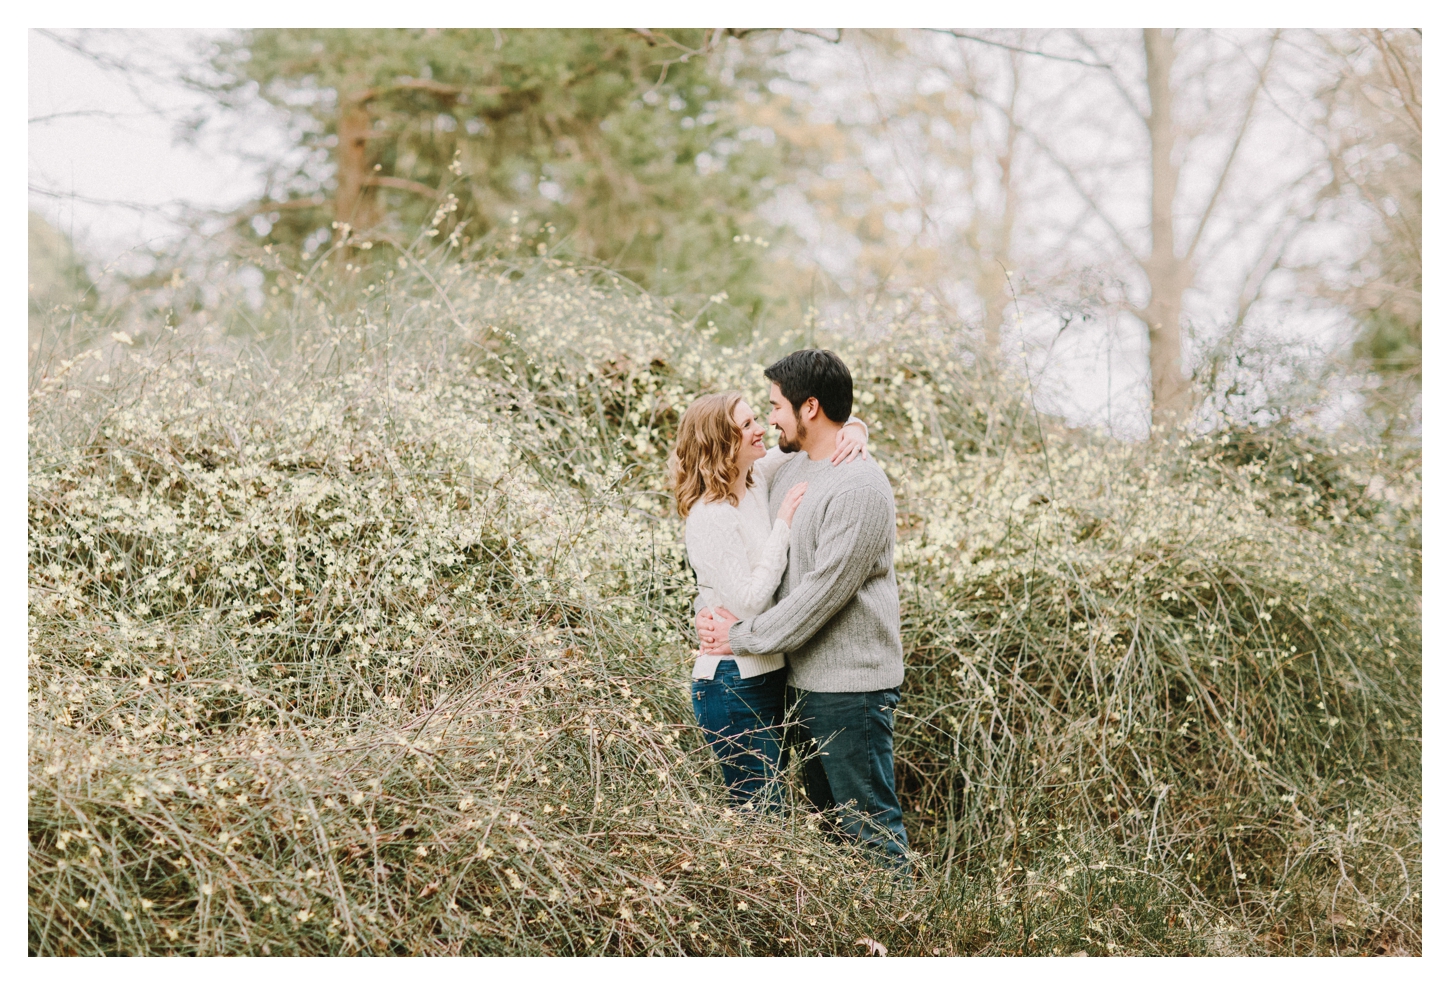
(752, 445)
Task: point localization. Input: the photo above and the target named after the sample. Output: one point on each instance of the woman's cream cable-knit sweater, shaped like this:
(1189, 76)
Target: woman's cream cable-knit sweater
(739, 555)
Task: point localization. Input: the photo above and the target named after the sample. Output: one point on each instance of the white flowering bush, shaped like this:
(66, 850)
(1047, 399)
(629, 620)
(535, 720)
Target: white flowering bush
(365, 631)
(1146, 678)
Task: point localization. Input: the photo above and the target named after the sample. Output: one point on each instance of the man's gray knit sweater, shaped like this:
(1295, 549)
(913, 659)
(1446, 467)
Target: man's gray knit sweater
(838, 619)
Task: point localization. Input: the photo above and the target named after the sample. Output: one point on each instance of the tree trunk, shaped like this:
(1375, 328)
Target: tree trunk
(1168, 274)
(992, 289)
(991, 276)
(356, 202)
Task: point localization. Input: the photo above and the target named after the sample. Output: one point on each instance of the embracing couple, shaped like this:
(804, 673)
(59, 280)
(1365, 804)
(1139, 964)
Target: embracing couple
(809, 662)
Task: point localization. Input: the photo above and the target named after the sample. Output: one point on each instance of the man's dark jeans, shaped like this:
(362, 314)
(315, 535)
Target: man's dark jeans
(743, 718)
(845, 741)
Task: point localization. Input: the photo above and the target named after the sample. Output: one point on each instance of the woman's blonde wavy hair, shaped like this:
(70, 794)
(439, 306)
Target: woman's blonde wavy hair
(703, 463)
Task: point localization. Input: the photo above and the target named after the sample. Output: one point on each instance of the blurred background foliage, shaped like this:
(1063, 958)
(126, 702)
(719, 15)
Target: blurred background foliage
(634, 148)
(1375, 109)
(767, 181)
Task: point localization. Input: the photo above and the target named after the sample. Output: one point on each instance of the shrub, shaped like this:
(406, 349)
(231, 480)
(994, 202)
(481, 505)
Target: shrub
(368, 635)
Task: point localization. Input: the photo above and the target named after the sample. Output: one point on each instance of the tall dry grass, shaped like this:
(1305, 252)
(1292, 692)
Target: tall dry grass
(358, 626)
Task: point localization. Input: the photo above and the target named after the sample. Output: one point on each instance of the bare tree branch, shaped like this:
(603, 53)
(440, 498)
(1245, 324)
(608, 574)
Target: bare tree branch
(89, 112)
(129, 71)
(1403, 79)
(1269, 261)
(1012, 47)
(1233, 150)
(1082, 192)
(1263, 204)
(135, 206)
(810, 32)
(261, 208)
(1117, 80)
(425, 85)
(883, 119)
(653, 38)
(401, 184)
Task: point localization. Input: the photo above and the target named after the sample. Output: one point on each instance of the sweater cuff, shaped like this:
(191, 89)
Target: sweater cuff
(741, 640)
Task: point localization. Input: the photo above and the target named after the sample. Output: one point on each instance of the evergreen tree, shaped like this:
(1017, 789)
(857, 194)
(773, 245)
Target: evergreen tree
(626, 146)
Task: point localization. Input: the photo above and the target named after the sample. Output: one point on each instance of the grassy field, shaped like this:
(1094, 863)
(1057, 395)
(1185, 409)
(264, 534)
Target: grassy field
(358, 626)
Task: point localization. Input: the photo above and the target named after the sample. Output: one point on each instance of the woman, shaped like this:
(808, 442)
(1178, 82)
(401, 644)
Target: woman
(721, 473)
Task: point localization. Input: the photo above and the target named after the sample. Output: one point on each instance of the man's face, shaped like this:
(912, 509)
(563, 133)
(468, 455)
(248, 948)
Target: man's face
(783, 416)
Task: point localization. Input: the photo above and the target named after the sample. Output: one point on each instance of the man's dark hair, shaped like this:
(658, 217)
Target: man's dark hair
(817, 373)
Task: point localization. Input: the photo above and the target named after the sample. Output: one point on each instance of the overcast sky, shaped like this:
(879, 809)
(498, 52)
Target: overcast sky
(104, 164)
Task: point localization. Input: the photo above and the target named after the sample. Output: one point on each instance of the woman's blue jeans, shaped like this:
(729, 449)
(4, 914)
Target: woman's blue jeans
(744, 721)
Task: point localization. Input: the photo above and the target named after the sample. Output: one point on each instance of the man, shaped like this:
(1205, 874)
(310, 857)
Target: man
(837, 617)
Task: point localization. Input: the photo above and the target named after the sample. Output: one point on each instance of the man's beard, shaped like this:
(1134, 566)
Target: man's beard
(793, 444)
